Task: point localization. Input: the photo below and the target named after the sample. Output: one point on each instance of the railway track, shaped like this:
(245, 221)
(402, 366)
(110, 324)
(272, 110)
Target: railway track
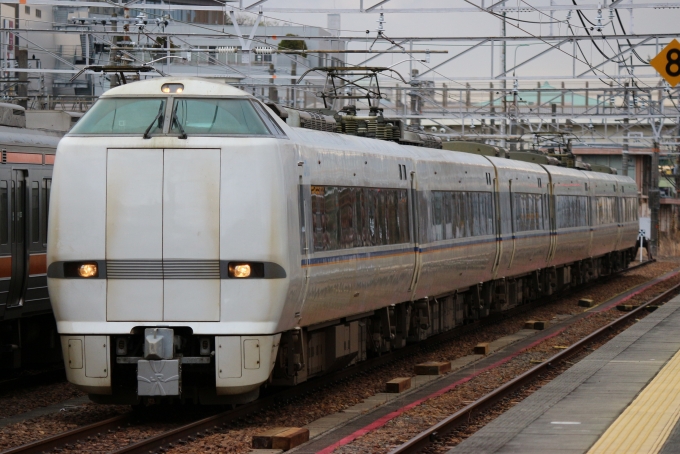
(26, 379)
(188, 433)
(463, 416)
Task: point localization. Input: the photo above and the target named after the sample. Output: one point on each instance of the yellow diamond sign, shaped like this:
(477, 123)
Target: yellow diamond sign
(668, 63)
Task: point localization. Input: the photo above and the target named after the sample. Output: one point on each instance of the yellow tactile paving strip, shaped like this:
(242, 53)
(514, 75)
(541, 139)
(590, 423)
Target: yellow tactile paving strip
(646, 424)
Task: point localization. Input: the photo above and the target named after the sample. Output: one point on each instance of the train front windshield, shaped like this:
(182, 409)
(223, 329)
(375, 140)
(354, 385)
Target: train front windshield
(184, 116)
(123, 116)
(217, 116)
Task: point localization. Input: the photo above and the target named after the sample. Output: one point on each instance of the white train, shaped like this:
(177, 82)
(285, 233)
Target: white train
(200, 247)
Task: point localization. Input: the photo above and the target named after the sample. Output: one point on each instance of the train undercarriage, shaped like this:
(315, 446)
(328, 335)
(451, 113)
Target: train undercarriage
(322, 348)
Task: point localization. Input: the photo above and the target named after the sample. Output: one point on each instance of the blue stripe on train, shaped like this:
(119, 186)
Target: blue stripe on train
(439, 247)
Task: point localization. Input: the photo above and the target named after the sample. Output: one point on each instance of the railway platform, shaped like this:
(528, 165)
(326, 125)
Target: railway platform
(622, 398)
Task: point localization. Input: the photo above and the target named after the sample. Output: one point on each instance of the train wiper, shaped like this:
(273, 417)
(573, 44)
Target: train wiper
(175, 121)
(158, 115)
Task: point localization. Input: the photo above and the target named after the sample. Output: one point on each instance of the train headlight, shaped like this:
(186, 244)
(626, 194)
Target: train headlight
(246, 270)
(172, 88)
(88, 270)
(241, 270)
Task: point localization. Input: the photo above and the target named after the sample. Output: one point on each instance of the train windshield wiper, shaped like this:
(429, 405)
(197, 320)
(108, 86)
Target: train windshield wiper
(175, 121)
(158, 115)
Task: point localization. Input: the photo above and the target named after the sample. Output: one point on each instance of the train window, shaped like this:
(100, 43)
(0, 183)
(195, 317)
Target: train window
(361, 237)
(19, 199)
(461, 214)
(346, 217)
(528, 211)
(217, 116)
(122, 116)
(571, 211)
(269, 121)
(402, 216)
(302, 208)
(347, 221)
(605, 210)
(381, 218)
(4, 213)
(437, 217)
(35, 212)
(630, 209)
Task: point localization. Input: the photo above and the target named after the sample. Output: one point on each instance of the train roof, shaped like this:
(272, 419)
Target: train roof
(193, 86)
(22, 137)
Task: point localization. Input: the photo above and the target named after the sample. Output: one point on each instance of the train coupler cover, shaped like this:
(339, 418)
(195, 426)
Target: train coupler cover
(158, 378)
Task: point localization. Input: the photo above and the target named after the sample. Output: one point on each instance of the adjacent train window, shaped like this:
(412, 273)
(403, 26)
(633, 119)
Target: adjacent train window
(461, 214)
(571, 211)
(4, 213)
(35, 212)
(122, 116)
(630, 209)
(605, 210)
(19, 212)
(347, 217)
(530, 211)
(217, 116)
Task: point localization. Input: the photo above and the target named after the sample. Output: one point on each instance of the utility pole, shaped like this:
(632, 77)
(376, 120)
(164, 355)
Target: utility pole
(293, 73)
(676, 168)
(624, 154)
(653, 197)
(22, 87)
(273, 92)
(505, 84)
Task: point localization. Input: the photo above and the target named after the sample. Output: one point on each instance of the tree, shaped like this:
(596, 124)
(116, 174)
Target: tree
(293, 44)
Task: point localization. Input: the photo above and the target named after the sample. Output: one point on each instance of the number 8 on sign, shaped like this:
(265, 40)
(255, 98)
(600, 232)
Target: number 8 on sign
(667, 63)
(673, 57)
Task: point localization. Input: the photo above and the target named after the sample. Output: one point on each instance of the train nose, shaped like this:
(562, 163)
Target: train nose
(162, 235)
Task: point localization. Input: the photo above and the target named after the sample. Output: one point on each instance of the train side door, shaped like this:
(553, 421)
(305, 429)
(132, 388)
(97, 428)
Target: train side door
(619, 219)
(512, 224)
(415, 216)
(18, 238)
(498, 224)
(304, 203)
(5, 243)
(553, 219)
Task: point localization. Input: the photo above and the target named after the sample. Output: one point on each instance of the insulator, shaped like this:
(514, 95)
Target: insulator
(226, 50)
(264, 50)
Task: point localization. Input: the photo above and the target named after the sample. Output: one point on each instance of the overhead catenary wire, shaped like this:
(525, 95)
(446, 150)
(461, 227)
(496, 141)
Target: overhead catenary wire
(300, 63)
(592, 68)
(582, 17)
(618, 16)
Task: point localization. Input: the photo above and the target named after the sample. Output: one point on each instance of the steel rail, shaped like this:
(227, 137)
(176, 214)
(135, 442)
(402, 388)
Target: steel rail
(186, 433)
(72, 436)
(41, 377)
(463, 416)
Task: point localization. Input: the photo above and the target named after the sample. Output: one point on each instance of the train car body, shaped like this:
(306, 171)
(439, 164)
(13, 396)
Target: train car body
(200, 247)
(27, 330)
